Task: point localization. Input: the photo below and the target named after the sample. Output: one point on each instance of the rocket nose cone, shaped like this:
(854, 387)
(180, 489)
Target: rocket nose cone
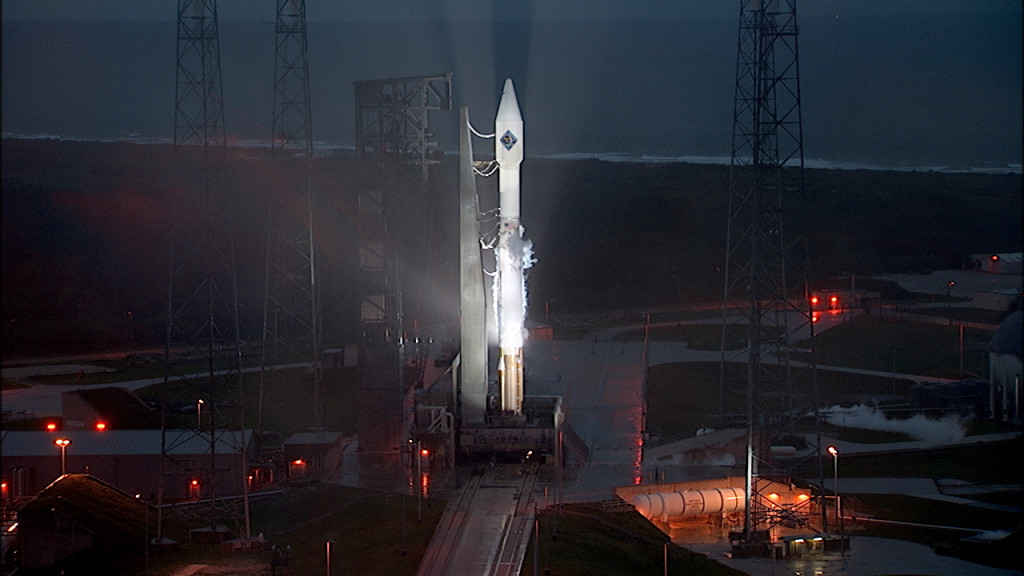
(508, 108)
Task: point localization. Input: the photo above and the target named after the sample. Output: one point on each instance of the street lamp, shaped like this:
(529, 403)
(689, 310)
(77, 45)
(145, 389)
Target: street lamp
(419, 481)
(329, 543)
(63, 443)
(835, 477)
(199, 413)
(835, 488)
(949, 301)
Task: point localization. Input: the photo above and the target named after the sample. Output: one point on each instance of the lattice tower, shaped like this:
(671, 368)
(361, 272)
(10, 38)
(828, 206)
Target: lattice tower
(203, 349)
(765, 312)
(292, 326)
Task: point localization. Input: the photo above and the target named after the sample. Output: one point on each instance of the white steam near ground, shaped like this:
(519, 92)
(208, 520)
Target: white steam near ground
(948, 428)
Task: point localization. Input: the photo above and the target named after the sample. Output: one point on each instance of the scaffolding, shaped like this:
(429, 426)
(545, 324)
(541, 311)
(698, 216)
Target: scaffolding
(392, 131)
(392, 118)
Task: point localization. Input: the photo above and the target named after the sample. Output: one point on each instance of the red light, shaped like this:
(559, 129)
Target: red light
(814, 299)
(101, 426)
(194, 483)
(834, 299)
(995, 257)
(52, 427)
(425, 452)
(814, 317)
(298, 462)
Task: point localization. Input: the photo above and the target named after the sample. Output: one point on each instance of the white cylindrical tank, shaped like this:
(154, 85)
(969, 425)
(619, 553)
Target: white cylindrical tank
(666, 505)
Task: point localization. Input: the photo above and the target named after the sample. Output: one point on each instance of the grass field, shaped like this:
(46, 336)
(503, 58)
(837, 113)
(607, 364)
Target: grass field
(370, 530)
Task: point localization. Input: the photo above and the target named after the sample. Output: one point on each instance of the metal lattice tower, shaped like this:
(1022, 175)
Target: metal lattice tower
(392, 119)
(381, 350)
(761, 301)
(199, 102)
(291, 315)
(391, 128)
(203, 350)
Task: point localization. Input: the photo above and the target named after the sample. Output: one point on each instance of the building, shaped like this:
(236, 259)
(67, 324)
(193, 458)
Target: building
(129, 460)
(82, 525)
(313, 454)
(1003, 263)
(843, 299)
(109, 408)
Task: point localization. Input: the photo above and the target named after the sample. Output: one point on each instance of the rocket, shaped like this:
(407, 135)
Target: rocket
(510, 286)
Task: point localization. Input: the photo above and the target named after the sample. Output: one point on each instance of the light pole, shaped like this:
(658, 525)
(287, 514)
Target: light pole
(63, 443)
(405, 550)
(329, 543)
(419, 482)
(949, 301)
(835, 489)
(835, 478)
(199, 414)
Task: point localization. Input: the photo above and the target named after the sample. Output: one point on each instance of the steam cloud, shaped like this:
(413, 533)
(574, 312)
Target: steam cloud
(949, 428)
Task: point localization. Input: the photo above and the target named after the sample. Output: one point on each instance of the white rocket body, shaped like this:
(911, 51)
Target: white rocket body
(510, 286)
(508, 151)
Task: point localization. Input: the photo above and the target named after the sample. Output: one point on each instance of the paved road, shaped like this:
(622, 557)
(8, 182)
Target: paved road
(867, 556)
(44, 400)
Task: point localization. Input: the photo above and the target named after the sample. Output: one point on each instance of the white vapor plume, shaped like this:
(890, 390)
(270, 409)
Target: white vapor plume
(509, 286)
(949, 428)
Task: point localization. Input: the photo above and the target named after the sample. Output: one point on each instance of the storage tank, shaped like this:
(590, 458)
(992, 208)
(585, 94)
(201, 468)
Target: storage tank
(665, 505)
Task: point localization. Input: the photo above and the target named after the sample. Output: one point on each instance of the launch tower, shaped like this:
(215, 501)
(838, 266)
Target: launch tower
(203, 350)
(291, 314)
(760, 293)
(392, 133)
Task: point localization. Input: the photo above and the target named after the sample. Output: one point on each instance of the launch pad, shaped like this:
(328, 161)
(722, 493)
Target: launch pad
(481, 409)
(533, 435)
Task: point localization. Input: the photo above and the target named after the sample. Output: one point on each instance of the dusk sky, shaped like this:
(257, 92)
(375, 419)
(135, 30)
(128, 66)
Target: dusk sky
(415, 10)
(914, 83)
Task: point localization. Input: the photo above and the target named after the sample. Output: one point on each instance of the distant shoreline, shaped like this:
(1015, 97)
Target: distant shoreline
(327, 148)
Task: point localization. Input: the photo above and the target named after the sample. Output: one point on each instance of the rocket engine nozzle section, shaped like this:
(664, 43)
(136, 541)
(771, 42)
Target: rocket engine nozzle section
(510, 379)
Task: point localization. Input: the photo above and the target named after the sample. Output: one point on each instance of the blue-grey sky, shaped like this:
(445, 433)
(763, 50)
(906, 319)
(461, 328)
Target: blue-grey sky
(893, 83)
(419, 10)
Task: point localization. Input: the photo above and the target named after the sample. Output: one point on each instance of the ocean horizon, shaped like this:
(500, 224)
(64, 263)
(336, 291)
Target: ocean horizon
(322, 148)
(647, 91)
